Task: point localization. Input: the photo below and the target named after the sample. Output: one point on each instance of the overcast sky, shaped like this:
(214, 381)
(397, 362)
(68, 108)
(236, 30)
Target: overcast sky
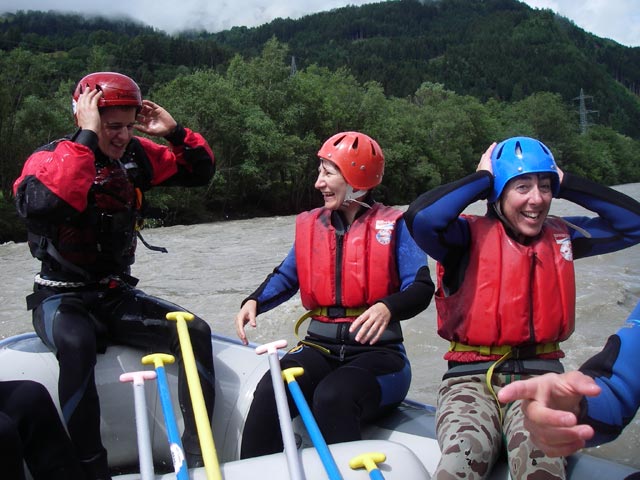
(615, 19)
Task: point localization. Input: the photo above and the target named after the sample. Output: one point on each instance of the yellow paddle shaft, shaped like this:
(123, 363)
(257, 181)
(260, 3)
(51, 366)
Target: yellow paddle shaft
(203, 425)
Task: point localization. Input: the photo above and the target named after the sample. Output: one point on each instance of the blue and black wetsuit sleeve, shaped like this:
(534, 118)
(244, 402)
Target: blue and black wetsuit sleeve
(433, 218)
(615, 371)
(416, 286)
(617, 225)
(279, 286)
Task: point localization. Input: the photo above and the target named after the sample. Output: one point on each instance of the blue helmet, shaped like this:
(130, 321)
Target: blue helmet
(517, 156)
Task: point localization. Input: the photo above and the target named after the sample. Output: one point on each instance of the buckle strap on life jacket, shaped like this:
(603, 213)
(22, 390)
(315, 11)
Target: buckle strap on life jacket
(525, 351)
(332, 312)
(506, 352)
(149, 246)
(329, 312)
(46, 245)
(527, 366)
(489, 378)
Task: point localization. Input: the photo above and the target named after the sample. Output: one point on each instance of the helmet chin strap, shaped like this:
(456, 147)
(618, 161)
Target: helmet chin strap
(498, 210)
(353, 196)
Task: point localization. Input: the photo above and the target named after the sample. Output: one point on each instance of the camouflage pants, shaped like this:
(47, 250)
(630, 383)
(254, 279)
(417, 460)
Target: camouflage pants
(471, 436)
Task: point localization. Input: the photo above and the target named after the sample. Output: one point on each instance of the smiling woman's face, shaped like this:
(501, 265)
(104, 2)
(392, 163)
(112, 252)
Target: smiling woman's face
(525, 203)
(331, 184)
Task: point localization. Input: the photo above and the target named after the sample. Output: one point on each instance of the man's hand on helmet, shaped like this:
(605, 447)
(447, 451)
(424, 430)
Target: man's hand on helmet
(87, 113)
(155, 120)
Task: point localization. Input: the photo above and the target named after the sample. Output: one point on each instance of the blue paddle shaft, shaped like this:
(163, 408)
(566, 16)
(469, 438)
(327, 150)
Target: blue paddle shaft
(314, 432)
(175, 444)
(375, 474)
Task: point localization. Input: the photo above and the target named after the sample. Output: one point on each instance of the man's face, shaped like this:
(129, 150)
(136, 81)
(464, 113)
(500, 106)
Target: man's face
(116, 130)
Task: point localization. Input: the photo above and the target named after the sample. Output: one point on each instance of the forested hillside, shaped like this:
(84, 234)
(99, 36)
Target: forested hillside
(78, 44)
(498, 49)
(435, 83)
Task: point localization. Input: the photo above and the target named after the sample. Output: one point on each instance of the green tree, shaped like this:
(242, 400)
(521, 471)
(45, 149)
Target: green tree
(607, 157)
(22, 74)
(544, 116)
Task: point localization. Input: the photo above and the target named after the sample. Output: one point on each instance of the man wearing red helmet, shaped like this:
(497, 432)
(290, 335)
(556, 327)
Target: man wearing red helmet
(81, 198)
(359, 273)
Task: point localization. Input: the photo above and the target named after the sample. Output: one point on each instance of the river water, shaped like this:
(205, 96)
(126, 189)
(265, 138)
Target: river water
(211, 267)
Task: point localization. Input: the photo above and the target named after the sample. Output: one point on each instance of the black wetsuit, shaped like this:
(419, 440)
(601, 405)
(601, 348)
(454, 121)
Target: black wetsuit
(82, 210)
(31, 432)
(345, 383)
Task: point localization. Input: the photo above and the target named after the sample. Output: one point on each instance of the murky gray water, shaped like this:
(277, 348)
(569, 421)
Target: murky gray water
(210, 268)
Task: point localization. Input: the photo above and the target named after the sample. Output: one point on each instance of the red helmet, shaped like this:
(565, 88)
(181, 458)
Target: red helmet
(117, 89)
(358, 156)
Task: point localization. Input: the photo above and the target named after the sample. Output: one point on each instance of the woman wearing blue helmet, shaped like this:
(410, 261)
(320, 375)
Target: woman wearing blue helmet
(532, 162)
(506, 293)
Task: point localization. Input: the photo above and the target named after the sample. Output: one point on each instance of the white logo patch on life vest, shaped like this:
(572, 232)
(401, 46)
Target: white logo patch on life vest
(564, 241)
(384, 229)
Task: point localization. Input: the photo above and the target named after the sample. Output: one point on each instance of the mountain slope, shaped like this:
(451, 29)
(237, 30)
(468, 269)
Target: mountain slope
(499, 49)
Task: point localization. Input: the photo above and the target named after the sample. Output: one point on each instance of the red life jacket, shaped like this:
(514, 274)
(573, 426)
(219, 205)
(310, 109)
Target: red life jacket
(351, 271)
(106, 240)
(512, 294)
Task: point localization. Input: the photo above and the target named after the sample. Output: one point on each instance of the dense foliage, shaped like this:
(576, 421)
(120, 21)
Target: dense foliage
(498, 49)
(265, 122)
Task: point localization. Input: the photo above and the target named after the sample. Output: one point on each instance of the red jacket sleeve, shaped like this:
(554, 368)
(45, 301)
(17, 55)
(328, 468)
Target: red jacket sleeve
(187, 161)
(64, 168)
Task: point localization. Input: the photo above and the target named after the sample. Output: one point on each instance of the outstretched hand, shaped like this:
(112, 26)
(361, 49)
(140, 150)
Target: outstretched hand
(154, 120)
(550, 404)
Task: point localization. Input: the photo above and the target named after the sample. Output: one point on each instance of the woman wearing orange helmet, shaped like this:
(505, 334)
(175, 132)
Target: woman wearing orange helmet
(359, 273)
(80, 197)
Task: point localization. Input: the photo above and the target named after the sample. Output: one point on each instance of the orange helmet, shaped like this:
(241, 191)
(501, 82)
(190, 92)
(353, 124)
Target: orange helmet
(358, 156)
(117, 89)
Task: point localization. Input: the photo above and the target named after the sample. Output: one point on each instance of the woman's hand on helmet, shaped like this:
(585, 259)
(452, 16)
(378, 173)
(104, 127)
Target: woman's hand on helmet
(154, 120)
(371, 324)
(87, 113)
(485, 160)
(247, 314)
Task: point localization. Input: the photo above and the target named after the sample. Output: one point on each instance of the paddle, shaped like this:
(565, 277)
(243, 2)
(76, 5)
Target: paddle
(145, 456)
(369, 461)
(284, 415)
(312, 426)
(203, 425)
(175, 444)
